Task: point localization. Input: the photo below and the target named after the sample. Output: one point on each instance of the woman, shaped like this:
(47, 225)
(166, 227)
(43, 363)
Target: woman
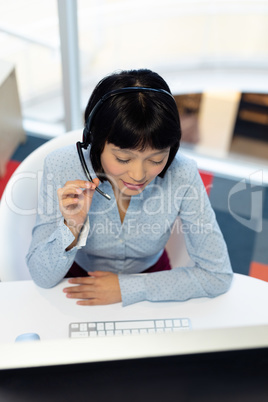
(111, 240)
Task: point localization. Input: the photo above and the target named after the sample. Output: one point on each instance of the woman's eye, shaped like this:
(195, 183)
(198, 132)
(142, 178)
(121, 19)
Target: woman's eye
(122, 160)
(157, 163)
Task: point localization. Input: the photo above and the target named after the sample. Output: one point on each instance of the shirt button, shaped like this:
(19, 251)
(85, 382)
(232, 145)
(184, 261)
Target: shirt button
(121, 241)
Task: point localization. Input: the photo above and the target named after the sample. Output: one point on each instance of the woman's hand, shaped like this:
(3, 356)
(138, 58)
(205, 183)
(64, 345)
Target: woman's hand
(75, 199)
(99, 288)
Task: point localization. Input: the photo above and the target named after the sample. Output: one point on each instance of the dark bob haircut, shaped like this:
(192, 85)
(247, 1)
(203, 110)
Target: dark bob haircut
(133, 120)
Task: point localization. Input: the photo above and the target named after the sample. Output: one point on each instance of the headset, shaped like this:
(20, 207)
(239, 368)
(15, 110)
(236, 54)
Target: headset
(87, 129)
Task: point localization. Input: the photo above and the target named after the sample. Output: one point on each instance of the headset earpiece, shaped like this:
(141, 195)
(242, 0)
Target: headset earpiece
(86, 137)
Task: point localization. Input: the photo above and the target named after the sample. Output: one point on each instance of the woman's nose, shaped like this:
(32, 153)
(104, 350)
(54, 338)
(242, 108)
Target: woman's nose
(137, 173)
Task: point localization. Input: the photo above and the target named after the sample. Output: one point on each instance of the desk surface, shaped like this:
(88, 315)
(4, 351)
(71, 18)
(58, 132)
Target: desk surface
(234, 321)
(28, 308)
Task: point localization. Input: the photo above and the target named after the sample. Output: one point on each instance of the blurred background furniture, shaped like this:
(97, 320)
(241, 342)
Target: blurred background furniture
(251, 128)
(11, 130)
(217, 117)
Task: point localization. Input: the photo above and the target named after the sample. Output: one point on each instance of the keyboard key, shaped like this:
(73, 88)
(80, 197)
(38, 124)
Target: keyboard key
(83, 327)
(159, 324)
(185, 322)
(109, 326)
(168, 323)
(79, 334)
(143, 331)
(134, 324)
(167, 329)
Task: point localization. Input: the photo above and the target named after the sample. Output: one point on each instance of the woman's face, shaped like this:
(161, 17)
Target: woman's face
(130, 171)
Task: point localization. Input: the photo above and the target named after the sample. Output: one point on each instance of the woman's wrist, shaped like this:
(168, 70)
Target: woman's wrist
(75, 231)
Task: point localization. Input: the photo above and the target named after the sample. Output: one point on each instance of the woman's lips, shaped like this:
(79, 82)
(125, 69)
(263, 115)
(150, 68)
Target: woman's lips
(131, 186)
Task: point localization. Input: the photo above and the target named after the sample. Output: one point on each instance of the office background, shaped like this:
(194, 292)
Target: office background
(60, 49)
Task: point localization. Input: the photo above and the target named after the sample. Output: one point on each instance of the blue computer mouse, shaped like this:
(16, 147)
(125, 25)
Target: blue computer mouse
(28, 337)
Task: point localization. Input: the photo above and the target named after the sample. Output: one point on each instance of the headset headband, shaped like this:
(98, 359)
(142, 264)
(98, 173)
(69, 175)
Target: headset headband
(108, 95)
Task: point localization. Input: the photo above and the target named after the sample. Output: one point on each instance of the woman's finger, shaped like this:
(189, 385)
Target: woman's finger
(74, 189)
(80, 295)
(78, 183)
(80, 288)
(69, 201)
(84, 280)
(89, 302)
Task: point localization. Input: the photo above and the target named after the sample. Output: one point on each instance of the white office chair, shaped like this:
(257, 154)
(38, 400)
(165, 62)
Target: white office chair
(18, 208)
(18, 213)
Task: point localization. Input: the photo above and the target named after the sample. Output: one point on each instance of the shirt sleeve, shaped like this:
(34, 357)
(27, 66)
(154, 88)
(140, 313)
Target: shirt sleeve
(211, 273)
(47, 258)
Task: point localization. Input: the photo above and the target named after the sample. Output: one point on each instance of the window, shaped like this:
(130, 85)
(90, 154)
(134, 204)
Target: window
(185, 41)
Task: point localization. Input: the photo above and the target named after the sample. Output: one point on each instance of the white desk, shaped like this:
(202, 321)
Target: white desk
(28, 308)
(233, 321)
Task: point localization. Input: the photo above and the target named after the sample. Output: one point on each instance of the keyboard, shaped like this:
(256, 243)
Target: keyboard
(131, 327)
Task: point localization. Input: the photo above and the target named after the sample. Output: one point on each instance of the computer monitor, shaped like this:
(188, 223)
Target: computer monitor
(203, 365)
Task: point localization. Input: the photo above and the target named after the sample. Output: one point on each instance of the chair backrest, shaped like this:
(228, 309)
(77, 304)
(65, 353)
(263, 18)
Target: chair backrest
(18, 208)
(176, 247)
